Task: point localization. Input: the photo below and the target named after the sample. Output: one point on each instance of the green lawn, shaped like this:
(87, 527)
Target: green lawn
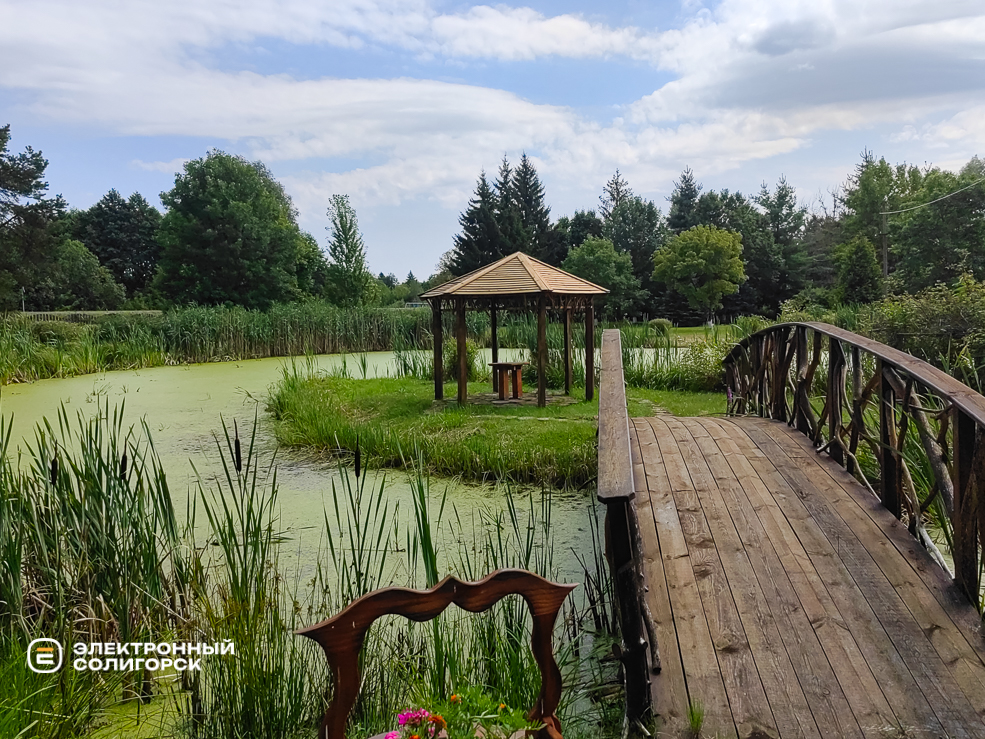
(396, 419)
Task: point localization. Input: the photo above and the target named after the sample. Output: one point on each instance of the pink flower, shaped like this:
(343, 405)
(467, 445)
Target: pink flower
(392, 735)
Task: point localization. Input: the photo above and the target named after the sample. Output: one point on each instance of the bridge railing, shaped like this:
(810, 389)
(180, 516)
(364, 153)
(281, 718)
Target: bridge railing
(617, 490)
(912, 434)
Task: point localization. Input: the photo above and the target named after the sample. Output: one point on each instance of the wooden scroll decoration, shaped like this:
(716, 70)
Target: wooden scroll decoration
(342, 635)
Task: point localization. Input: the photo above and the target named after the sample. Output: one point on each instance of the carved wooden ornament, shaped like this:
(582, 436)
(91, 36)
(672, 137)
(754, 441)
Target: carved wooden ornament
(342, 635)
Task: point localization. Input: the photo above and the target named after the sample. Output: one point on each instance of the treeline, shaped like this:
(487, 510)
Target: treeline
(229, 236)
(683, 265)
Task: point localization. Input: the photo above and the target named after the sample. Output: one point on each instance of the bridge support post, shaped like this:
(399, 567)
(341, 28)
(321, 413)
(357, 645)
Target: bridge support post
(891, 484)
(968, 482)
(836, 393)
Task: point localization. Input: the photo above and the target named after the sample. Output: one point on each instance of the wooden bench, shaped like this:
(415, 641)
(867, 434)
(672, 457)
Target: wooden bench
(342, 635)
(502, 371)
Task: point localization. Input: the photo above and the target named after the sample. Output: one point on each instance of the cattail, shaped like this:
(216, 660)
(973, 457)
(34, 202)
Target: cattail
(236, 448)
(54, 466)
(123, 468)
(358, 459)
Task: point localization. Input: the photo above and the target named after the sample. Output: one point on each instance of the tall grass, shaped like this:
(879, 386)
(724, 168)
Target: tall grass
(37, 350)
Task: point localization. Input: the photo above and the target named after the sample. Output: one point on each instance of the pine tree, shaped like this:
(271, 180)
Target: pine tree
(615, 191)
(684, 203)
(481, 242)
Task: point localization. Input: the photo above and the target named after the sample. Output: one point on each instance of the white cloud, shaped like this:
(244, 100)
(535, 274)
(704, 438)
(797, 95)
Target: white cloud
(175, 165)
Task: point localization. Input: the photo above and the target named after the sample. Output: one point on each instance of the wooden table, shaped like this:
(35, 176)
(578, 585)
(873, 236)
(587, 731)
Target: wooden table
(501, 370)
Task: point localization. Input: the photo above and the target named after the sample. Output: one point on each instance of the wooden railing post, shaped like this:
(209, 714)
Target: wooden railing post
(967, 494)
(802, 395)
(836, 389)
(755, 361)
(891, 483)
(858, 421)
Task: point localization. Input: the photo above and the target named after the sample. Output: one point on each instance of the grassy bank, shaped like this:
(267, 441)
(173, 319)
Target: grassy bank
(387, 418)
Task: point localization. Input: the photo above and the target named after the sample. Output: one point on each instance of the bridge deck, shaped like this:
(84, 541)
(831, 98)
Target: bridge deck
(786, 600)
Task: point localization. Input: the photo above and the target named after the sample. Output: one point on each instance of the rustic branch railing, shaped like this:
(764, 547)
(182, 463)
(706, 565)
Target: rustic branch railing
(342, 635)
(616, 488)
(910, 433)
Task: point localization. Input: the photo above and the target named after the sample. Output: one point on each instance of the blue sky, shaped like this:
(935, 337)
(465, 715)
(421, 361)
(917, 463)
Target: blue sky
(400, 103)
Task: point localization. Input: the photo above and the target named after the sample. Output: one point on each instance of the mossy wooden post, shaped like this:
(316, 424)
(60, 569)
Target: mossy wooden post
(463, 365)
(567, 351)
(590, 351)
(891, 484)
(438, 335)
(966, 478)
(495, 347)
(541, 352)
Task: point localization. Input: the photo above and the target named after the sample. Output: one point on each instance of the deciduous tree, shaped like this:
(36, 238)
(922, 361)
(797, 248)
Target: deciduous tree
(598, 261)
(229, 236)
(349, 282)
(703, 264)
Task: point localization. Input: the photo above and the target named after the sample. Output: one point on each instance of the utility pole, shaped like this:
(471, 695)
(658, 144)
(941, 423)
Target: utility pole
(885, 245)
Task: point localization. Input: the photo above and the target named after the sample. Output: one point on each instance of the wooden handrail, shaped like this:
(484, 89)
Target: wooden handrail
(615, 479)
(774, 373)
(342, 636)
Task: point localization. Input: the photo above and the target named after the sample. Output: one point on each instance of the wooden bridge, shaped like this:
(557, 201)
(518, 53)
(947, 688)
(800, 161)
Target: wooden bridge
(772, 567)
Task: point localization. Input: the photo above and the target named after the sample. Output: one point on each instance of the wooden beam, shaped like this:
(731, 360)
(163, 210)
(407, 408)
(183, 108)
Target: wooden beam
(891, 484)
(567, 351)
(463, 367)
(542, 352)
(590, 352)
(495, 345)
(966, 504)
(437, 333)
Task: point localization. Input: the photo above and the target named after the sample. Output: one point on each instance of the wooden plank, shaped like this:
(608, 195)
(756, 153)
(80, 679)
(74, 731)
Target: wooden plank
(437, 335)
(944, 696)
(668, 688)
(724, 508)
(881, 534)
(615, 475)
(938, 582)
(750, 709)
(698, 655)
(849, 665)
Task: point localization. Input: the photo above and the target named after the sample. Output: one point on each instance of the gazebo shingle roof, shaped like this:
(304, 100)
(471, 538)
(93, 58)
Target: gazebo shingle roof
(516, 274)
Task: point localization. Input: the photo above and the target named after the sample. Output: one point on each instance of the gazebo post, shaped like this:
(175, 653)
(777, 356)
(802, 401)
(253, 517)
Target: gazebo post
(437, 333)
(590, 350)
(542, 351)
(495, 345)
(567, 351)
(463, 371)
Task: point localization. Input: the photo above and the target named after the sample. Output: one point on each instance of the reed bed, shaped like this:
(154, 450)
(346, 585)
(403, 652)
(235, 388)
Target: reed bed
(92, 552)
(32, 350)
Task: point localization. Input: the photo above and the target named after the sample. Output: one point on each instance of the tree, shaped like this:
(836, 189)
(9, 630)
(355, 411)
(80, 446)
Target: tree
(598, 261)
(507, 210)
(535, 216)
(859, 272)
(26, 219)
(481, 241)
(122, 233)
(703, 264)
(312, 269)
(615, 191)
(785, 220)
(229, 236)
(684, 203)
(349, 281)
(81, 283)
(942, 237)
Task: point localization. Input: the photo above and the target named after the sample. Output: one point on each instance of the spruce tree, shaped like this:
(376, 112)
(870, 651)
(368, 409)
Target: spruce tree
(684, 203)
(481, 242)
(535, 216)
(615, 191)
(507, 210)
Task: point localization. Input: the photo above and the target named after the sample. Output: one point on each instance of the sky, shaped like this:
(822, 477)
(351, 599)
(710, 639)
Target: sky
(402, 103)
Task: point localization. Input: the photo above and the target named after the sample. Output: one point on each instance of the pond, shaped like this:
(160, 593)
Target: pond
(185, 406)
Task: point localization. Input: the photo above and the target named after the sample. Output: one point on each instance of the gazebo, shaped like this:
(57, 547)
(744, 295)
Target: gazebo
(516, 282)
